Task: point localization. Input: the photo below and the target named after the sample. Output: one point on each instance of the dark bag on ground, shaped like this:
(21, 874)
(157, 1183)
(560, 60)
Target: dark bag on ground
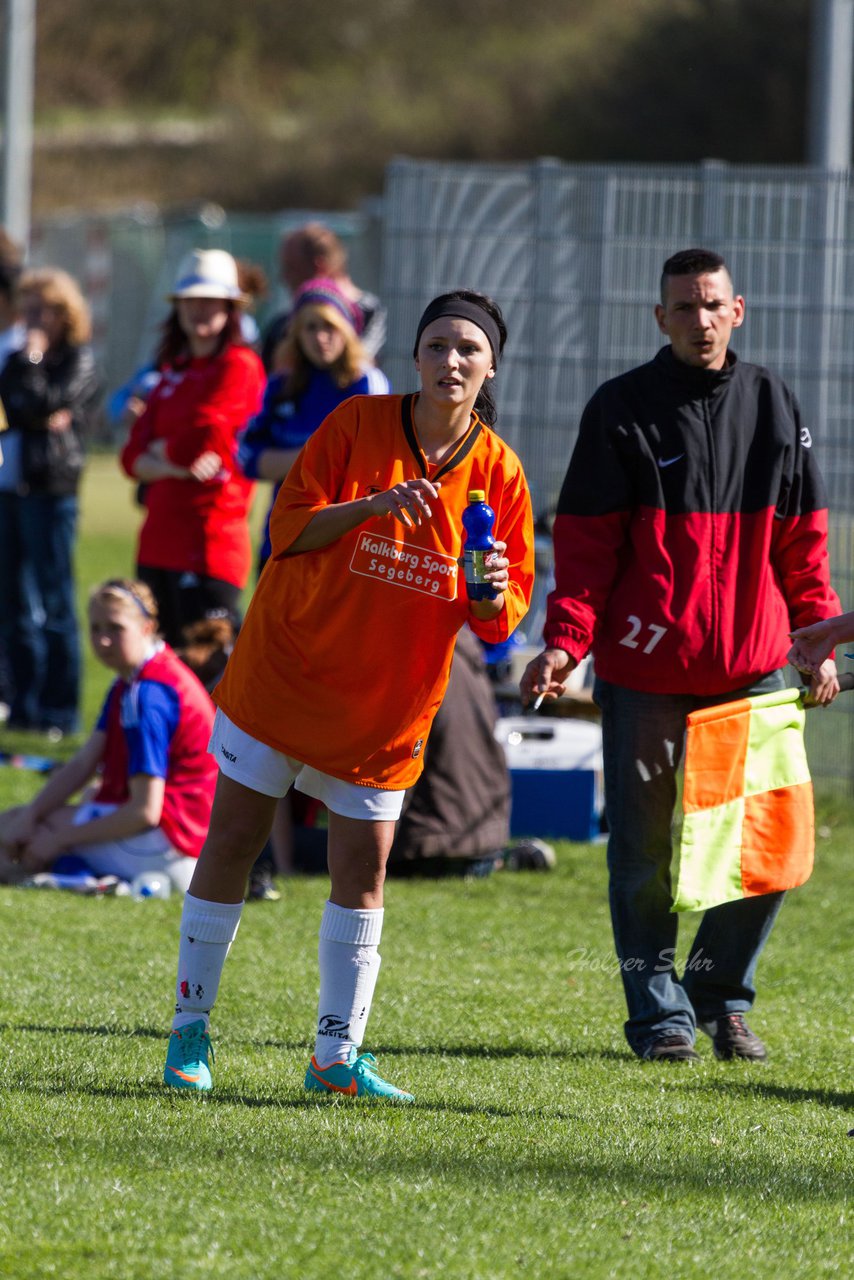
(459, 810)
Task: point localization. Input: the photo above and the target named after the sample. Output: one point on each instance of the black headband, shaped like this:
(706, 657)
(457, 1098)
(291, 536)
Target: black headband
(463, 310)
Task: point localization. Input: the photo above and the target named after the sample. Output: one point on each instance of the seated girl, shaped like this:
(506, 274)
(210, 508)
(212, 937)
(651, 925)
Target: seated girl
(150, 807)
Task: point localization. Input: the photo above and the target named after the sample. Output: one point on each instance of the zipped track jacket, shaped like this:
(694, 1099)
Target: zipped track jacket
(691, 531)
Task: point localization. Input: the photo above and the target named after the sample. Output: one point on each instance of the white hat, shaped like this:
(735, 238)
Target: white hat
(207, 273)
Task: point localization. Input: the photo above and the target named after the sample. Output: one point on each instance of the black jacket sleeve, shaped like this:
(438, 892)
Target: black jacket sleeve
(67, 379)
(52, 460)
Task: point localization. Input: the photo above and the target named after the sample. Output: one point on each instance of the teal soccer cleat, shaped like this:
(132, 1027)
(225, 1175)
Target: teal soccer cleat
(187, 1059)
(356, 1079)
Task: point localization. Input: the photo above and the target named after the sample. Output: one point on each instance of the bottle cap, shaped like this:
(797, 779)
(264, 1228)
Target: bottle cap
(476, 495)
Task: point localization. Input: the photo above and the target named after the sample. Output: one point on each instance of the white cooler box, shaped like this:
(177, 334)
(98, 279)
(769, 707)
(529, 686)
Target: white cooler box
(556, 775)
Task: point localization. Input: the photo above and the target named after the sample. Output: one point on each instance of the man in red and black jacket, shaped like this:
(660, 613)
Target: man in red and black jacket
(690, 538)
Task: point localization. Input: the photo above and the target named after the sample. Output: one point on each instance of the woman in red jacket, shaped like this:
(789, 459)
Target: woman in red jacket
(194, 547)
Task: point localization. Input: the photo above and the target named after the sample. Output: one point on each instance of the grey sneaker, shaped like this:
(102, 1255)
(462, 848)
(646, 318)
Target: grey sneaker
(732, 1038)
(671, 1046)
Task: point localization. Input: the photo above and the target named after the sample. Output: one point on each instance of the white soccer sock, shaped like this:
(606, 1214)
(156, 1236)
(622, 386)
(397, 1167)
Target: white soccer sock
(349, 966)
(207, 932)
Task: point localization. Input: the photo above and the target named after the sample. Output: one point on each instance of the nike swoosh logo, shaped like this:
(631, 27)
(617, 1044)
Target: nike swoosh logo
(351, 1089)
(184, 1075)
(668, 462)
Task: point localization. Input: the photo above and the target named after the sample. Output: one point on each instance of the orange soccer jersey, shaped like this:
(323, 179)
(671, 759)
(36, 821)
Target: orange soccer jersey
(344, 655)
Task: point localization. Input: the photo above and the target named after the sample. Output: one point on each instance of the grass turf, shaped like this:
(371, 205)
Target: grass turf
(537, 1144)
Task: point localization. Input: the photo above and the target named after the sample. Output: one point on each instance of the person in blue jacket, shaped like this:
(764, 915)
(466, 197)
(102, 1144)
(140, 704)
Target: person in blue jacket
(319, 363)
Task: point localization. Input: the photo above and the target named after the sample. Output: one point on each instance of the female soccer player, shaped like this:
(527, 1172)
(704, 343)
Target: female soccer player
(342, 662)
(148, 753)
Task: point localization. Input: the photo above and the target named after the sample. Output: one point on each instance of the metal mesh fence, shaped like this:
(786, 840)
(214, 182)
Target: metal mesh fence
(573, 254)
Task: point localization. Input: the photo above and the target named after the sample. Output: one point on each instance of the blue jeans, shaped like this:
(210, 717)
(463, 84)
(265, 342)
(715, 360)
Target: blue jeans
(38, 620)
(643, 740)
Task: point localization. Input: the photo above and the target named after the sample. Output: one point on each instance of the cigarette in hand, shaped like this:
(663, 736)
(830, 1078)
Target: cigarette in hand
(539, 701)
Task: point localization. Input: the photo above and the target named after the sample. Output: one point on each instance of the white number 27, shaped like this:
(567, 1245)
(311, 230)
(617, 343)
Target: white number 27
(630, 639)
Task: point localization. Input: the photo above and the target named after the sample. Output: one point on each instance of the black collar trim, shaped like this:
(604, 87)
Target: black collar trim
(455, 459)
(409, 432)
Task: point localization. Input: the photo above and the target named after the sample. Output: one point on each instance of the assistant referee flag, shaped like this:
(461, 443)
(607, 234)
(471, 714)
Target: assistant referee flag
(749, 821)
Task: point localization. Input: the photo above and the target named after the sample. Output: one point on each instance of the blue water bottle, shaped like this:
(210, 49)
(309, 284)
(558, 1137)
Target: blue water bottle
(478, 520)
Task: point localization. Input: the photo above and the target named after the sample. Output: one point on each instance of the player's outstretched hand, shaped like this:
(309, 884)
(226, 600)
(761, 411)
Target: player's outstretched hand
(546, 674)
(813, 644)
(408, 502)
(810, 646)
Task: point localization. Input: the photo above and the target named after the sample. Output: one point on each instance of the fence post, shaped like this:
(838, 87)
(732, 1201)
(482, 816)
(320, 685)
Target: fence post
(18, 124)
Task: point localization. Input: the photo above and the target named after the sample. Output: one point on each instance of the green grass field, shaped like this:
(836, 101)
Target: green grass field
(537, 1145)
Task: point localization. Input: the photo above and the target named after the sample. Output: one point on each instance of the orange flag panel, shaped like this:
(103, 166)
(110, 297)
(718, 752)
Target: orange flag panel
(778, 839)
(718, 754)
